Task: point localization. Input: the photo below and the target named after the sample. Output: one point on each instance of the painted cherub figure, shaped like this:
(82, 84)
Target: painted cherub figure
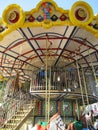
(46, 8)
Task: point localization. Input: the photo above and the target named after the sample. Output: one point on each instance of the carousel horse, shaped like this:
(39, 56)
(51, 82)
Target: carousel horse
(55, 123)
(75, 125)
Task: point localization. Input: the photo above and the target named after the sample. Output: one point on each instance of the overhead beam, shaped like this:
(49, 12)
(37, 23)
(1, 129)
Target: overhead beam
(31, 44)
(19, 59)
(34, 40)
(65, 46)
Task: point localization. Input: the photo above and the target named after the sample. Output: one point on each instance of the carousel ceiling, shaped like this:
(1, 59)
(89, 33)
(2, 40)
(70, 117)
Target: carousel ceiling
(48, 34)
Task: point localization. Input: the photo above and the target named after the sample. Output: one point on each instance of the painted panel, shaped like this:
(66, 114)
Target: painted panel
(53, 108)
(66, 108)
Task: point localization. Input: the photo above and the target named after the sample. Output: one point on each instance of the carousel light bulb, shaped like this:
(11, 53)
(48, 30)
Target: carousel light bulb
(69, 90)
(65, 90)
(75, 86)
(58, 78)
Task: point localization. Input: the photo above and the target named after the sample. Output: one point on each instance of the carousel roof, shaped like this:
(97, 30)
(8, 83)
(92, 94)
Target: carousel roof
(48, 33)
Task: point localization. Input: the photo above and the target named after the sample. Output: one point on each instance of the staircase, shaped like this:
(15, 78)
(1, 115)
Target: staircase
(18, 119)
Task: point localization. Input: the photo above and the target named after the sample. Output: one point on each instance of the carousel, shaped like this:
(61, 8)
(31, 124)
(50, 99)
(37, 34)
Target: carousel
(48, 65)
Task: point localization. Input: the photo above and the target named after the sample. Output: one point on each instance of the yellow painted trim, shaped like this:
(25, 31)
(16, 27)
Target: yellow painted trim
(48, 23)
(73, 18)
(21, 15)
(72, 21)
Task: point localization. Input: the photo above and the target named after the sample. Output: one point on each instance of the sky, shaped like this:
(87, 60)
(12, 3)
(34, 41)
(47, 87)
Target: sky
(27, 5)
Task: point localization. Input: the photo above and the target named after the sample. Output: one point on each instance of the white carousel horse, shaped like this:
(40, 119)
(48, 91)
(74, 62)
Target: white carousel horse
(55, 123)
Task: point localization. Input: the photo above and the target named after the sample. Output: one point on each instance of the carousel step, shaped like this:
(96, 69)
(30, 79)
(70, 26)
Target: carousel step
(22, 111)
(15, 119)
(11, 124)
(20, 115)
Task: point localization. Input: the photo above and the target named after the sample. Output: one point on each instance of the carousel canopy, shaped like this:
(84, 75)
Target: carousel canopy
(48, 33)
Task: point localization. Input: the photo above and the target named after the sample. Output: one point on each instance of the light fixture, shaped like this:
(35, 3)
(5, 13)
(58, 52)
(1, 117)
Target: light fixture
(75, 84)
(65, 90)
(58, 78)
(69, 89)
